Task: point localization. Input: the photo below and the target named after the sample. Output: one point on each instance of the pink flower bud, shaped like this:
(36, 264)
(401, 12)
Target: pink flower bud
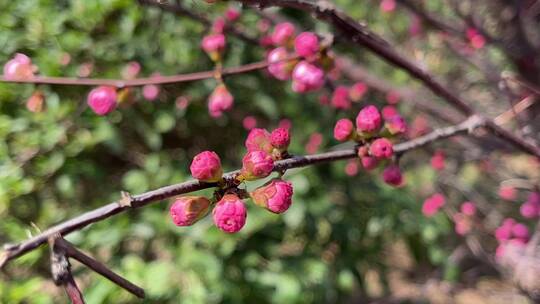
(357, 91)
(432, 204)
(283, 33)
(230, 214)
(19, 67)
(393, 97)
(388, 112)
(462, 227)
(306, 44)
(503, 233)
(249, 122)
(232, 14)
(256, 164)
(529, 210)
(280, 138)
(369, 163)
(344, 129)
(219, 101)
(437, 160)
(150, 92)
(395, 125)
(368, 119)
(275, 196)
(131, 70)
(218, 26)
(307, 77)
(187, 210)
(382, 148)
(468, 208)
(102, 100)
(392, 176)
(285, 123)
(476, 39)
(351, 168)
(277, 67)
(507, 193)
(214, 45)
(314, 142)
(259, 140)
(206, 167)
(340, 98)
(388, 6)
(520, 231)
(35, 102)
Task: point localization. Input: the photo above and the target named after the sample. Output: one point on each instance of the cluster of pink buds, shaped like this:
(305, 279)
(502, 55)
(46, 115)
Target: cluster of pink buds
(512, 233)
(464, 219)
(19, 68)
(374, 139)
(308, 73)
(432, 204)
(230, 213)
(214, 44)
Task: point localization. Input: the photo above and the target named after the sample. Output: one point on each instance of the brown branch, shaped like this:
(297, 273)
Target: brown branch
(61, 270)
(98, 267)
(361, 35)
(16, 250)
(119, 83)
(180, 10)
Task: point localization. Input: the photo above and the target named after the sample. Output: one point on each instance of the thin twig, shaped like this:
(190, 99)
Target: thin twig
(61, 271)
(119, 83)
(16, 250)
(100, 268)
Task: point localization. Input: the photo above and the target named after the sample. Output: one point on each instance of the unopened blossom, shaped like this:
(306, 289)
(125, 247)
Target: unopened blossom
(280, 138)
(283, 33)
(214, 45)
(230, 213)
(344, 129)
(392, 175)
(275, 196)
(256, 164)
(307, 77)
(220, 100)
(19, 67)
(259, 140)
(340, 98)
(102, 100)
(368, 119)
(382, 148)
(206, 167)
(306, 44)
(187, 210)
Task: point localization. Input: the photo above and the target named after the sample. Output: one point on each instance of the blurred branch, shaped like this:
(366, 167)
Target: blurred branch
(119, 83)
(61, 270)
(433, 20)
(361, 35)
(128, 202)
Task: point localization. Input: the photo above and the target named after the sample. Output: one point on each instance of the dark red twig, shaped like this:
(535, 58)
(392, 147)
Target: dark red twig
(127, 202)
